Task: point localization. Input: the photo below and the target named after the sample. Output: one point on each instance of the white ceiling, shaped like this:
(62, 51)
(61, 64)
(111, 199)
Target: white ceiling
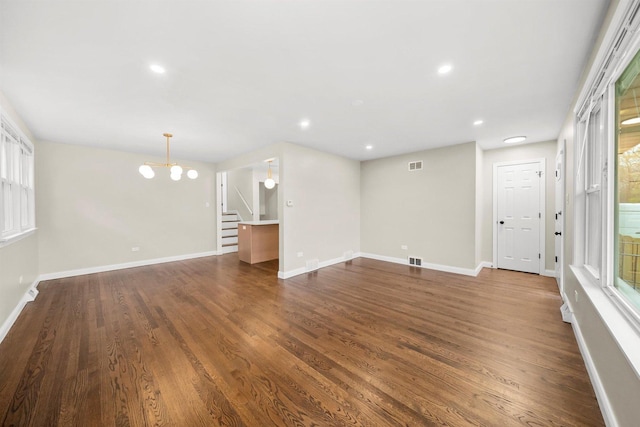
(242, 74)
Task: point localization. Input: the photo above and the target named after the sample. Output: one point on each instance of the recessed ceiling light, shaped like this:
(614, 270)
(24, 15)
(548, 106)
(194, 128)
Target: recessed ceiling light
(305, 123)
(514, 139)
(478, 122)
(631, 121)
(444, 69)
(157, 68)
(369, 147)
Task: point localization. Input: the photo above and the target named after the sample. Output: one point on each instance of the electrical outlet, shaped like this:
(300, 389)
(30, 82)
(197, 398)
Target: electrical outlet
(575, 295)
(135, 249)
(404, 247)
(300, 254)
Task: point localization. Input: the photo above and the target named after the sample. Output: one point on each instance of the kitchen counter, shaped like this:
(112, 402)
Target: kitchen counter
(258, 241)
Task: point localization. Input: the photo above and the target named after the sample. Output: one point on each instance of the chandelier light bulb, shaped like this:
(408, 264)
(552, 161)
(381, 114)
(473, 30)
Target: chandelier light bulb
(146, 171)
(269, 183)
(176, 169)
(176, 176)
(192, 173)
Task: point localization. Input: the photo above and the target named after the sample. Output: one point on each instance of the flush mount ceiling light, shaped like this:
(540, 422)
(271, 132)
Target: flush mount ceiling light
(478, 122)
(369, 147)
(633, 120)
(157, 68)
(146, 169)
(269, 182)
(305, 123)
(444, 69)
(514, 139)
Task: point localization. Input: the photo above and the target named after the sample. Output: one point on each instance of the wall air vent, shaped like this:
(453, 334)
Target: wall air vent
(415, 261)
(415, 166)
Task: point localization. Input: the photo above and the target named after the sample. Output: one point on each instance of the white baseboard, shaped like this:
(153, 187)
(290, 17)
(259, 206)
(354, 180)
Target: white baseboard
(567, 314)
(321, 264)
(291, 273)
(598, 387)
(483, 264)
(28, 296)
(439, 267)
(548, 273)
(103, 268)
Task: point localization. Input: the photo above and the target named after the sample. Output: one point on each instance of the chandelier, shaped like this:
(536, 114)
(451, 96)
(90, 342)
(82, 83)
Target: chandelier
(269, 182)
(176, 170)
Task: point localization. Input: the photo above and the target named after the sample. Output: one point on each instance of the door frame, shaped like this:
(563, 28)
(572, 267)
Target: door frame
(560, 211)
(542, 203)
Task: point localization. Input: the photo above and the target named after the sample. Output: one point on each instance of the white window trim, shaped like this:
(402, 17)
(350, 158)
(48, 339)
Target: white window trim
(8, 239)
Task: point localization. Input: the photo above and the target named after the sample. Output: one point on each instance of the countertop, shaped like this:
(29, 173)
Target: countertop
(266, 222)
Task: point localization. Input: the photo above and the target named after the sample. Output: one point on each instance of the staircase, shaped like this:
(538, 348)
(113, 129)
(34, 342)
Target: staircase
(230, 232)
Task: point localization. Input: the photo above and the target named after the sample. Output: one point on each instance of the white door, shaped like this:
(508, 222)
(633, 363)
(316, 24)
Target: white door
(519, 217)
(559, 215)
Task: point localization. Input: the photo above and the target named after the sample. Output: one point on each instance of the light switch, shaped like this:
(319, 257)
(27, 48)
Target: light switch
(290, 203)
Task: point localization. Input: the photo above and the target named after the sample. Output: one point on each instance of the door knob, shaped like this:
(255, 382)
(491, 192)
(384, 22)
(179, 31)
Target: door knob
(558, 233)
(501, 222)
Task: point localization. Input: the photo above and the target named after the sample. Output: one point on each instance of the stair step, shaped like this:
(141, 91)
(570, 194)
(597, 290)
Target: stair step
(229, 240)
(226, 232)
(229, 225)
(229, 249)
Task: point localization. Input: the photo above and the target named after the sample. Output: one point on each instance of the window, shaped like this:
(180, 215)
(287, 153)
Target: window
(627, 185)
(17, 192)
(594, 142)
(607, 198)
(591, 191)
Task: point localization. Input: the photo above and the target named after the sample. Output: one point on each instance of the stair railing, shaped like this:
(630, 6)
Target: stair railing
(244, 200)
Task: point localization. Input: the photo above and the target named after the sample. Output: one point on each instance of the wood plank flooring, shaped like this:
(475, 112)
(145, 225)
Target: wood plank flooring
(213, 341)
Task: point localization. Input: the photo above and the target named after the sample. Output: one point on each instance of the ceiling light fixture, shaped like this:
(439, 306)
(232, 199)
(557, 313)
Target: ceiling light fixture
(444, 69)
(146, 169)
(633, 120)
(305, 123)
(514, 139)
(157, 68)
(369, 147)
(269, 182)
(478, 122)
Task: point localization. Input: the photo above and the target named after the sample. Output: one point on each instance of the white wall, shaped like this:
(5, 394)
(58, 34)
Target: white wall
(541, 150)
(93, 207)
(432, 211)
(324, 221)
(19, 260)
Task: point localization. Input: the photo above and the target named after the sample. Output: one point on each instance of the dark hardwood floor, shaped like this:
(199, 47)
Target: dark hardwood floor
(213, 341)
